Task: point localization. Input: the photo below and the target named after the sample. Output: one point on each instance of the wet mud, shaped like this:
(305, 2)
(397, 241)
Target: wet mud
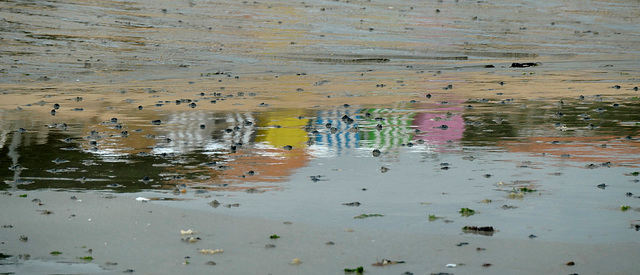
(355, 132)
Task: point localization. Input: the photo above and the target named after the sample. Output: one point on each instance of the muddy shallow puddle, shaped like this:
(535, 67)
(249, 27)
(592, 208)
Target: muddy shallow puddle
(417, 163)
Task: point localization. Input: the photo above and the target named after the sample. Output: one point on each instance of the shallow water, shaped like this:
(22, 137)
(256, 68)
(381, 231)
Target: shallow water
(488, 149)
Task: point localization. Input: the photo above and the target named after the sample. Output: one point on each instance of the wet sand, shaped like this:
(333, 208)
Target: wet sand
(125, 234)
(245, 103)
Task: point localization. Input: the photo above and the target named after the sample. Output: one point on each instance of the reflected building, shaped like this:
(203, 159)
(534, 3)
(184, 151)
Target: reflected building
(334, 133)
(386, 128)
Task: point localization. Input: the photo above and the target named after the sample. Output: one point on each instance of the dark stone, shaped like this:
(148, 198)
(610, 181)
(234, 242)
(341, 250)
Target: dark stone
(523, 65)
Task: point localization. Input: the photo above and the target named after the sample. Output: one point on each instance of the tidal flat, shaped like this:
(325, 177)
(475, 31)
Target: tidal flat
(318, 137)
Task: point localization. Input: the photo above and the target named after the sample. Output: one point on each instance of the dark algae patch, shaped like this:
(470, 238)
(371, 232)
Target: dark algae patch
(364, 216)
(479, 230)
(357, 270)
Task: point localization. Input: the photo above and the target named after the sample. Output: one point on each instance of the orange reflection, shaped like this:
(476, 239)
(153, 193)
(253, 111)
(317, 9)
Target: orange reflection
(597, 150)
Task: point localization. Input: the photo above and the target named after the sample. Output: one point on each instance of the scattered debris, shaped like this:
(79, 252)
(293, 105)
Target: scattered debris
(316, 178)
(254, 191)
(450, 265)
(296, 261)
(387, 262)
(142, 199)
(362, 216)
(355, 203)
(274, 236)
(525, 65)
(191, 239)
(480, 230)
(526, 190)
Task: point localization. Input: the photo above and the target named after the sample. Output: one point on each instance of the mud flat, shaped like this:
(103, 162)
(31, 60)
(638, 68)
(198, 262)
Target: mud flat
(403, 137)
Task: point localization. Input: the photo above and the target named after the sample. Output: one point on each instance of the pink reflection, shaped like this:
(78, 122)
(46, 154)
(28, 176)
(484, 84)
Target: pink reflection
(439, 123)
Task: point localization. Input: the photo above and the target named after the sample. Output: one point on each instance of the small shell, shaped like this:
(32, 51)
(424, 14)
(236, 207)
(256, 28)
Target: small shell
(187, 232)
(211, 251)
(296, 261)
(450, 265)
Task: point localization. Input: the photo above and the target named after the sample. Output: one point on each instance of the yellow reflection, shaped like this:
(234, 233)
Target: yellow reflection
(290, 131)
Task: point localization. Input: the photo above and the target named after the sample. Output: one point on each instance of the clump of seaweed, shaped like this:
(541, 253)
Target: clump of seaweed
(466, 212)
(433, 218)
(357, 270)
(526, 190)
